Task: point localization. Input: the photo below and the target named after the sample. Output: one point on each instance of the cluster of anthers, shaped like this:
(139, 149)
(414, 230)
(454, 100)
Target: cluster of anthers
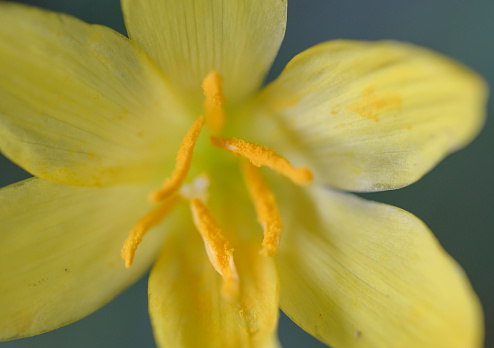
(173, 191)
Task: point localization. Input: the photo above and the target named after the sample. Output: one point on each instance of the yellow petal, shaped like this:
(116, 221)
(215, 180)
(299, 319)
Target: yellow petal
(60, 252)
(372, 115)
(188, 39)
(185, 296)
(356, 273)
(79, 104)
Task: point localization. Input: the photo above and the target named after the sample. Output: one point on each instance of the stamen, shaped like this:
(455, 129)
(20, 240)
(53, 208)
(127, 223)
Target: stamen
(266, 209)
(260, 155)
(217, 247)
(211, 85)
(144, 225)
(184, 159)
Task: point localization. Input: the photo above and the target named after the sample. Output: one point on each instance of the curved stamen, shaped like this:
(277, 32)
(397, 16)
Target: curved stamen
(266, 209)
(211, 85)
(184, 159)
(260, 155)
(217, 247)
(144, 225)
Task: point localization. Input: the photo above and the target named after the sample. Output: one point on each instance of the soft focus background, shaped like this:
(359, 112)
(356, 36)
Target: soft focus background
(455, 200)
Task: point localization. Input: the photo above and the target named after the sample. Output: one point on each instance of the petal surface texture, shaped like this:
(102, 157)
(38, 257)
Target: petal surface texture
(188, 39)
(372, 115)
(356, 273)
(60, 252)
(79, 104)
(186, 305)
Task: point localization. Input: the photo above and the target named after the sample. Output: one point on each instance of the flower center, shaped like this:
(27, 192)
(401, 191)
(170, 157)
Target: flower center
(173, 190)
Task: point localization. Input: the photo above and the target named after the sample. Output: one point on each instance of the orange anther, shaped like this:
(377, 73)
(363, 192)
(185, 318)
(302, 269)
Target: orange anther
(184, 159)
(260, 155)
(266, 209)
(217, 247)
(211, 85)
(144, 225)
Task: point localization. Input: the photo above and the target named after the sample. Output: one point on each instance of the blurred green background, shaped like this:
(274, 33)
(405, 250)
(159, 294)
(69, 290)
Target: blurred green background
(455, 200)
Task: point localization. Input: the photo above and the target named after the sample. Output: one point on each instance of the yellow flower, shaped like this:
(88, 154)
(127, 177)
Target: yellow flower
(99, 120)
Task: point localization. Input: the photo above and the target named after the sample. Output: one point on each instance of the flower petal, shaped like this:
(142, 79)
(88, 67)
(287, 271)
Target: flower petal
(356, 273)
(373, 115)
(60, 252)
(186, 305)
(79, 104)
(188, 39)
